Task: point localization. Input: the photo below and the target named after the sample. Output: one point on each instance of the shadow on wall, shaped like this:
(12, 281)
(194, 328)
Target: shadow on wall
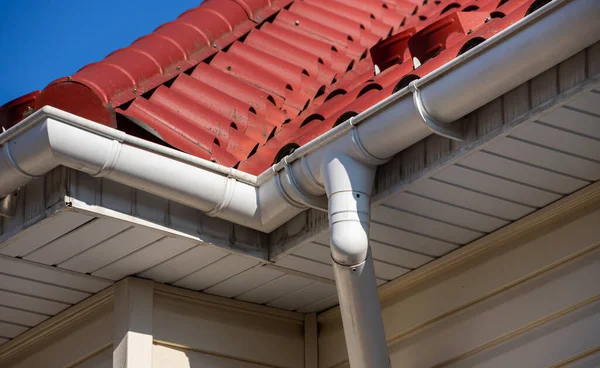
(168, 357)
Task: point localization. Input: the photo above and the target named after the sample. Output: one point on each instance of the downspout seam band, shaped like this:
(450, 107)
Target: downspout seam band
(354, 265)
(225, 199)
(14, 165)
(451, 131)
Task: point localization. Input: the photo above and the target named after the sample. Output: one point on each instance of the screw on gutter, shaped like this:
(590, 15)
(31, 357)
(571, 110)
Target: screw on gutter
(27, 112)
(297, 23)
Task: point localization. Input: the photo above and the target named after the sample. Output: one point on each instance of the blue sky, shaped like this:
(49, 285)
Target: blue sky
(42, 40)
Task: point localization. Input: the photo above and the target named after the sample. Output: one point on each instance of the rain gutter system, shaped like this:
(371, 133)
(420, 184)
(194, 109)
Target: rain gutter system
(334, 172)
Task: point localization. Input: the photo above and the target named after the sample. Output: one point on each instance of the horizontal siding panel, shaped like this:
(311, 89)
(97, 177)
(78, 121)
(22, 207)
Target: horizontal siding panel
(544, 346)
(30, 303)
(471, 200)
(387, 271)
(243, 282)
(398, 256)
(307, 266)
(591, 360)
(9, 330)
(534, 300)
(546, 158)
(42, 290)
(316, 252)
(184, 264)
(588, 101)
(415, 242)
(20, 317)
(52, 275)
(216, 272)
(303, 297)
(520, 172)
(497, 187)
(144, 258)
(275, 289)
(445, 212)
(575, 121)
(111, 250)
(42, 233)
(423, 225)
(320, 306)
(77, 241)
(559, 140)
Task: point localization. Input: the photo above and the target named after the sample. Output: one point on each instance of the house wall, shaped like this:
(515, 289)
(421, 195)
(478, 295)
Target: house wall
(137, 324)
(525, 297)
(194, 331)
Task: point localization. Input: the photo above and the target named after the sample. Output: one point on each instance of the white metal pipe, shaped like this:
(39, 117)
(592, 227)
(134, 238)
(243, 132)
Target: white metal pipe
(361, 315)
(349, 184)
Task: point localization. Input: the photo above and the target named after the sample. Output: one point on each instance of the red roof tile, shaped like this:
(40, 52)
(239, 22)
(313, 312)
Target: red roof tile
(243, 82)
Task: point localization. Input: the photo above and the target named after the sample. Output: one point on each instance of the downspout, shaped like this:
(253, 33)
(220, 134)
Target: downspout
(349, 184)
(344, 160)
(340, 164)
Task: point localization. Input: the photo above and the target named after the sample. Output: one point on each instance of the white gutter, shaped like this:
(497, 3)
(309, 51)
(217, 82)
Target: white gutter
(339, 164)
(51, 137)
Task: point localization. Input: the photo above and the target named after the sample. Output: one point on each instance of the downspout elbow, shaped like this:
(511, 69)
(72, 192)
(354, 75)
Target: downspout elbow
(349, 227)
(348, 184)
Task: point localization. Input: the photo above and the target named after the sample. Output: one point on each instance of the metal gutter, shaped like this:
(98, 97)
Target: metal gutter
(334, 172)
(506, 60)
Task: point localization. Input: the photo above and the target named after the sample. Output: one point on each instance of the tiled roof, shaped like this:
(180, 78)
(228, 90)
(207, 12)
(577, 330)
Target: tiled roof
(244, 82)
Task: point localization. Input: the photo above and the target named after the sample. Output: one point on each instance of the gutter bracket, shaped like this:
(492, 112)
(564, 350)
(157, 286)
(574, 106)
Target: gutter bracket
(225, 199)
(110, 161)
(451, 131)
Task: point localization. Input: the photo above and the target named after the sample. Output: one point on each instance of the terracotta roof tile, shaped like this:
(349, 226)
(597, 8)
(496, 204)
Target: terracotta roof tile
(244, 82)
